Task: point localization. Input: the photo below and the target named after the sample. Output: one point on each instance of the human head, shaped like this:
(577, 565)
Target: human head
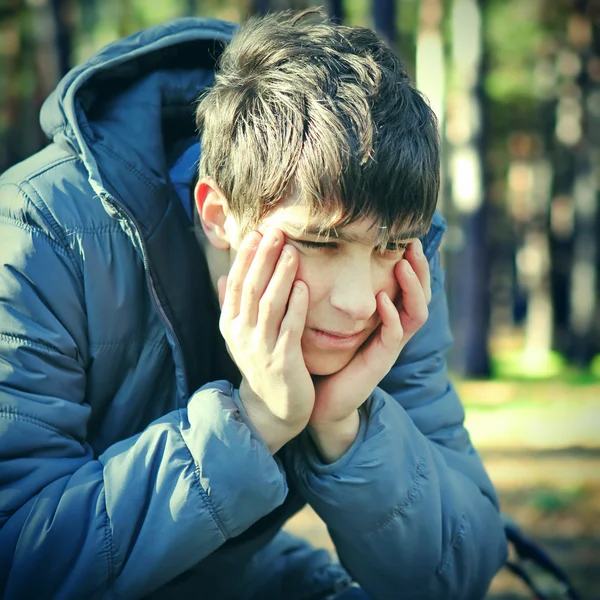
(325, 113)
(317, 123)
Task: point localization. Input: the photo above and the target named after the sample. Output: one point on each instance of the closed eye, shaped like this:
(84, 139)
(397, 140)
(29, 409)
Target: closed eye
(393, 250)
(391, 247)
(310, 244)
(396, 246)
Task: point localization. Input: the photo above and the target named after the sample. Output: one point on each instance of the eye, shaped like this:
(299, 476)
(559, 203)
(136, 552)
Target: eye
(317, 245)
(394, 248)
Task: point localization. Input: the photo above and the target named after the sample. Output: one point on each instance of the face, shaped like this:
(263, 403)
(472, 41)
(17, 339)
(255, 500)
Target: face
(344, 273)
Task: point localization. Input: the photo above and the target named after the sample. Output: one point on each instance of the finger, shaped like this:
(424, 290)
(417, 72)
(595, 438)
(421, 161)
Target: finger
(377, 356)
(294, 321)
(259, 274)
(221, 288)
(235, 280)
(414, 311)
(391, 332)
(272, 305)
(418, 261)
(380, 353)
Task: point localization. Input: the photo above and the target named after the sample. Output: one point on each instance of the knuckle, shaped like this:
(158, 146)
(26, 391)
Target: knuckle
(223, 326)
(233, 286)
(251, 291)
(286, 334)
(266, 306)
(284, 331)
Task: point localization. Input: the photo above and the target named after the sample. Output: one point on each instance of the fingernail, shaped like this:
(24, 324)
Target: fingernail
(418, 248)
(409, 270)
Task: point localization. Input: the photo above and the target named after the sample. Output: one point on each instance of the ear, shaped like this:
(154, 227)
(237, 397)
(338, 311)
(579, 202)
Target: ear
(213, 210)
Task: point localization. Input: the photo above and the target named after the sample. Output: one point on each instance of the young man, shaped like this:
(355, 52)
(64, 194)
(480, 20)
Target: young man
(151, 447)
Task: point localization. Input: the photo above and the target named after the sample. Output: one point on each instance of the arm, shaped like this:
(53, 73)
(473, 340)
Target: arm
(409, 506)
(148, 508)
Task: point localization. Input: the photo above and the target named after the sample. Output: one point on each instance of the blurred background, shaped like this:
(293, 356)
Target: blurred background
(516, 87)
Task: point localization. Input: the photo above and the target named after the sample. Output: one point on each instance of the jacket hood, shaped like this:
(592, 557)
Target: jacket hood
(121, 108)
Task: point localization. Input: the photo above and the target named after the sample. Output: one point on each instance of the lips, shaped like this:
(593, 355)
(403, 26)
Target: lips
(339, 334)
(329, 340)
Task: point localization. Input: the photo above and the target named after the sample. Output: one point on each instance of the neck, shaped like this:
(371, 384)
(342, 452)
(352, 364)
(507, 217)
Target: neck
(217, 260)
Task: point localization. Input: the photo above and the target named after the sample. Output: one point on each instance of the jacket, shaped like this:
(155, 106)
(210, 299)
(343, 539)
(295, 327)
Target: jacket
(126, 459)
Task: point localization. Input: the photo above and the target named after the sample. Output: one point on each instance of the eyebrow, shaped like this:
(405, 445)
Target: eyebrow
(349, 237)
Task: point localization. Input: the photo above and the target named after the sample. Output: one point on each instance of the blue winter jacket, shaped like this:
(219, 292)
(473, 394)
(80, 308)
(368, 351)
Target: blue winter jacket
(125, 459)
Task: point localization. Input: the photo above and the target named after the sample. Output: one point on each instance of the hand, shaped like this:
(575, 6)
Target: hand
(338, 396)
(263, 314)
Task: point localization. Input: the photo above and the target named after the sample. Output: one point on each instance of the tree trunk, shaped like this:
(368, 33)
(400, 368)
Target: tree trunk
(574, 211)
(584, 278)
(260, 7)
(384, 19)
(468, 214)
(336, 11)
(62, 14)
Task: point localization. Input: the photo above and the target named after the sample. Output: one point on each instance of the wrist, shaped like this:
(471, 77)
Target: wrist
(334, 438)
(274, 431)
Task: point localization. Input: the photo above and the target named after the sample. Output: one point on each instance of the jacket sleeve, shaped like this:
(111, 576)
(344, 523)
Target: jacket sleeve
(409, 507)
(76, 525)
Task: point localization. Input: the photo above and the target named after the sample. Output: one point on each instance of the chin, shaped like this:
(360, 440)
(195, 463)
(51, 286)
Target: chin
(326, 363)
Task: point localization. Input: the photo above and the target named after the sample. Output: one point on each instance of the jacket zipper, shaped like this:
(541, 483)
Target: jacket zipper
(131, 221)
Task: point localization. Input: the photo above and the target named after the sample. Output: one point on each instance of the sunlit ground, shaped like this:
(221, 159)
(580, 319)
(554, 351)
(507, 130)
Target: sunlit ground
(540, 441)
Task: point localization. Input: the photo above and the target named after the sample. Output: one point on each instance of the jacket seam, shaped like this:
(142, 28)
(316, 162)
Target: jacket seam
(411, 494)
(455, 545)
(23, 341)
(44, 208)
(128, 165)
(108, 549)
(70, 231)
(157, 343)
(47, 167)
(36, 231)
(52, 224)
(205, 497)
(24, 417)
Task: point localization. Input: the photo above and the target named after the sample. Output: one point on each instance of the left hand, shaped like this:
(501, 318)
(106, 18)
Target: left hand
(338, 396)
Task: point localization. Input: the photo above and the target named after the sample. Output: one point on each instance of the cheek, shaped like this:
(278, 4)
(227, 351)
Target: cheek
(315, 274)
(387, 282)
(319, 275)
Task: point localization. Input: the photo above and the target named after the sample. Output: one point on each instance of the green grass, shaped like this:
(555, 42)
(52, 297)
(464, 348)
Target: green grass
(549, 501)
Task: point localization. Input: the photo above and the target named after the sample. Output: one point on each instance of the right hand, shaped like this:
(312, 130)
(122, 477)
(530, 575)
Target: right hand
(263, 315)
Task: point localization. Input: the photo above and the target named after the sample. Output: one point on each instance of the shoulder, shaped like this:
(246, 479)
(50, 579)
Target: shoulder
(50, 191)
(432, 239)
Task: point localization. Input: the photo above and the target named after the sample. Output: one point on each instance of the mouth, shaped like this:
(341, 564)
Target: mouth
(330, 340)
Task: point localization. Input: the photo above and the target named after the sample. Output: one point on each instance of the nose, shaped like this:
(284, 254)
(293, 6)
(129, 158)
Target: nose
(352, 292)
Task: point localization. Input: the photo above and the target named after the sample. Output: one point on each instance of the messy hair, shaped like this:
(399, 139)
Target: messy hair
(326, 114)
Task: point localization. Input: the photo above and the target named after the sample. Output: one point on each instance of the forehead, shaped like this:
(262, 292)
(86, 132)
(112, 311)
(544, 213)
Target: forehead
(296, 219)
